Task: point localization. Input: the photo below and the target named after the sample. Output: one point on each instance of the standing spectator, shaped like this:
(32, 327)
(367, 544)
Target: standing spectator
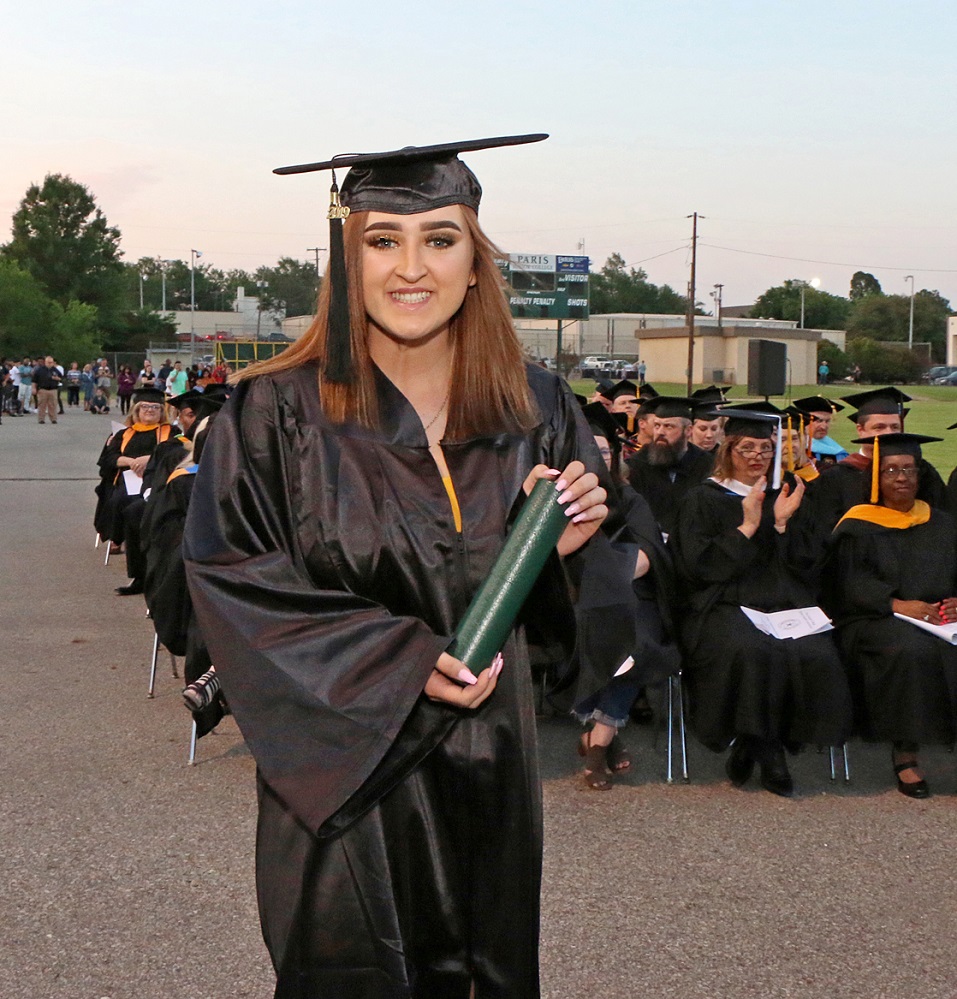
(147, 377)
(104, 378)
(60, 387)
(46, 379)
(822, 373)
(26, 386)
(220, 372)
(164, 371)
(125, 381)
(14, 406)
(87, 384)
(176, 381)
(642, 371)
(73, 385)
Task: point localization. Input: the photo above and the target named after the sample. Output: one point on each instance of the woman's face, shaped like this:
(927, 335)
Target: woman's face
(148, 413)
(898, 479)
(416, 271)
(604, 449)
(750, 459)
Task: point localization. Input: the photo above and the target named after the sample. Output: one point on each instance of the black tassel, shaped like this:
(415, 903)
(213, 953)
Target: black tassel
(339, 343)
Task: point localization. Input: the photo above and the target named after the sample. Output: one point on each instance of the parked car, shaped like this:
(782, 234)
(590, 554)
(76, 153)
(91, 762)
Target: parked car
(935, 374)
(950, 379)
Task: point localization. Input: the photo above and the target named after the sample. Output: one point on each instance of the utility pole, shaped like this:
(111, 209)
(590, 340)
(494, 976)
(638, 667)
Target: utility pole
(691, 297)
(316, 250)
(718, 288)
(910, 325)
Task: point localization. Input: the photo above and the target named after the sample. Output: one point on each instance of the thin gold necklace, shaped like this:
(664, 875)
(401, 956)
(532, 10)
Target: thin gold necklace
(441, 410)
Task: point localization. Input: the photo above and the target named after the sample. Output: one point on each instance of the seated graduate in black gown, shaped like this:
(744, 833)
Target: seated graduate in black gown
(167, 595)
(626, 591)
(129, 450)
(734, 547)
(352, 497)
(898, 556)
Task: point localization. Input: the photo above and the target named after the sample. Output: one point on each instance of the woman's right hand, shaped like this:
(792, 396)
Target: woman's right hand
(919, 610)
(751, 507)
(452, 682)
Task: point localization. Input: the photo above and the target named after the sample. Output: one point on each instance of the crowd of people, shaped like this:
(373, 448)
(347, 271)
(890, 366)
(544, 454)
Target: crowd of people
(762, 511)
(25, 386)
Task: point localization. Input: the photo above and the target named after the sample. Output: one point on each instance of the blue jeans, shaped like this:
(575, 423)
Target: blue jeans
(610, 706)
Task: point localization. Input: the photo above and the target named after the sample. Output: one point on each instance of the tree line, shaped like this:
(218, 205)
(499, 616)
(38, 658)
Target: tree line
(65, 289)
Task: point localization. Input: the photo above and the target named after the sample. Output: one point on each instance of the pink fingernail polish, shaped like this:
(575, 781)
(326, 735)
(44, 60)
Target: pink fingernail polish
(561, 485)
(466, 676)
(565, 497)
(573, 509)
(579, 518)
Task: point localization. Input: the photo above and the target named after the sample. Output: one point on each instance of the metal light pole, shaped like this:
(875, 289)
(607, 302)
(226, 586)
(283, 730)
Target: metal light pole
(259, 317)
(910, 325)
(163, 265)
(193, 254)
(813, 283)
(143, 277)
(717, 300)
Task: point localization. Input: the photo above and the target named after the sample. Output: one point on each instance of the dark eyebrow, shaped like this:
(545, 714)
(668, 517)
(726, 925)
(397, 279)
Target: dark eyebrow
(425, 227)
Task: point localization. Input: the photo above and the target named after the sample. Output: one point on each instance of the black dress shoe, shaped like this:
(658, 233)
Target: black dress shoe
(129, 590)
(775, 776)
(913, 789)
(740, 763)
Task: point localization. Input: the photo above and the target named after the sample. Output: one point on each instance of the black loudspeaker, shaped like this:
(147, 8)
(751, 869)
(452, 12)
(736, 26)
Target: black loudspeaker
(767, 367)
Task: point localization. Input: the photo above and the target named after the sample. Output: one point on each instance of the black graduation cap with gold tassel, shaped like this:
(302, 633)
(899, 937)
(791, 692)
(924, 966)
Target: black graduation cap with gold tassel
(399, 182)
(888, 445)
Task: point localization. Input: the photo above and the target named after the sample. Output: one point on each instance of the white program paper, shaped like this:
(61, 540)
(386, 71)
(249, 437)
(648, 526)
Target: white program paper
(948, 632)
(625, 666)
(133, 482)
(797, 623)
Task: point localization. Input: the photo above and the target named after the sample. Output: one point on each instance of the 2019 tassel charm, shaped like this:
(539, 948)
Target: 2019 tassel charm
(338, 367)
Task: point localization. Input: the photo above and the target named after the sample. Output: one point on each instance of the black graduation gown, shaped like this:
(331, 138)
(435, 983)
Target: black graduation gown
(166, 592)
(741, 681)
(619, 616)
(663, 493)
(904, 679)
(399, 842)
(113, 497)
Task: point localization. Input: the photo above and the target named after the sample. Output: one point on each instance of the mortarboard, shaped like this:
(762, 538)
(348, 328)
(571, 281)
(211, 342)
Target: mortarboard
(883, 401)
(818, 404)
(148, 395)
(887, 445)
(667, 407)
(754, 421)
(623, 387)
(712, 394)
(399, 182)
(602, 423)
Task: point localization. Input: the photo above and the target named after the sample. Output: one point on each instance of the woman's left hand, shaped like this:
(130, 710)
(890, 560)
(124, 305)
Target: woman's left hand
(584, 501)
(787, 503)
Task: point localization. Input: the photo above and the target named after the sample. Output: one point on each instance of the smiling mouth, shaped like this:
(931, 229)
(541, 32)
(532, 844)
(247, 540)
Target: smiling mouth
(410, 297)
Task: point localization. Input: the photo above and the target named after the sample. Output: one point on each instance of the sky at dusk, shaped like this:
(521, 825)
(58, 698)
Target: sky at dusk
(816, 138)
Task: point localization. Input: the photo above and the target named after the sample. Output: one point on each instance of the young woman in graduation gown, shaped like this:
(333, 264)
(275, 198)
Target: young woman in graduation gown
(337, 531)
(898, 555)
(735, 547)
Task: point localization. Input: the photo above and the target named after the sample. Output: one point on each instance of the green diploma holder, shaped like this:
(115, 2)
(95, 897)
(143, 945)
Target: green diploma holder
(490, 616)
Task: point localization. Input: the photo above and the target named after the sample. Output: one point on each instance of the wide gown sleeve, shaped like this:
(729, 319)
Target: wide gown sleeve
(319, 678)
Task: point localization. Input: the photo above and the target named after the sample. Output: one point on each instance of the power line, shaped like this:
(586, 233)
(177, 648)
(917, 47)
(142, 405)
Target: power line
(833, 263)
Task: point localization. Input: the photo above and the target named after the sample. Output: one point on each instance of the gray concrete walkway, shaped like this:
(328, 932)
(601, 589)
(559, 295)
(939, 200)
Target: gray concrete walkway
(125, 874)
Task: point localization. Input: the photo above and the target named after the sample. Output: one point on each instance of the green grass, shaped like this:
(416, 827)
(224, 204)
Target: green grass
(933, 410)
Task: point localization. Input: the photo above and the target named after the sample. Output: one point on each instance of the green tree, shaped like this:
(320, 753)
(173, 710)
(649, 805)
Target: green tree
(24, 312)
(291, 287)
(62, 238)
(74, 335)
(887, 317)
(837, 361)
(883, 364)
(864, 284)
(822, 311)
(619, 288)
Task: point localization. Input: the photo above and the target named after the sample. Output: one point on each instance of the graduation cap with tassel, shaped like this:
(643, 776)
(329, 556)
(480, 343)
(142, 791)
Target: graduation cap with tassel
(398, 182)
(887, 445)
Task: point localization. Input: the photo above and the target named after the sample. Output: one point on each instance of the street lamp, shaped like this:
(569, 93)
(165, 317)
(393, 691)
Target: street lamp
(261, 285)
(163, 264)
(143, 277)
(716, 295)
(910, 325)
(813, 283)
(193, 254)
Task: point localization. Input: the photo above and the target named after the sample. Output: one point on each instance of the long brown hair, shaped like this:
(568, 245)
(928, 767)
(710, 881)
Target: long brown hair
(490, 392)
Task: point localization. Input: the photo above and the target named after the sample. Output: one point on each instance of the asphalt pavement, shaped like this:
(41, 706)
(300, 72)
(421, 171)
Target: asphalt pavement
(126, 874)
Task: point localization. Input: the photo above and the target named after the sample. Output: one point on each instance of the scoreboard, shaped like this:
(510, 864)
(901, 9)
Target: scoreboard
(546, 285)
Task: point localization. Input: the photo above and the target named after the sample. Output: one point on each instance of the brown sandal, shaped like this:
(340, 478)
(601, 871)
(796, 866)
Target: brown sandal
(597, 776)
(619, 758)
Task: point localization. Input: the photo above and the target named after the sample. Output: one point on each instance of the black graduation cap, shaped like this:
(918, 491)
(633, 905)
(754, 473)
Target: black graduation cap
(883, 401)
(892, 444)
(667, 407)
(704, 410)
(148, 395)
(712, 394)
(217, 390)
(818, 404)
(756, 422)
(186, 399)
(399, 182)
(604, 386)
(601, 422)
(648, 391)
(760, 406)
(624, 387)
